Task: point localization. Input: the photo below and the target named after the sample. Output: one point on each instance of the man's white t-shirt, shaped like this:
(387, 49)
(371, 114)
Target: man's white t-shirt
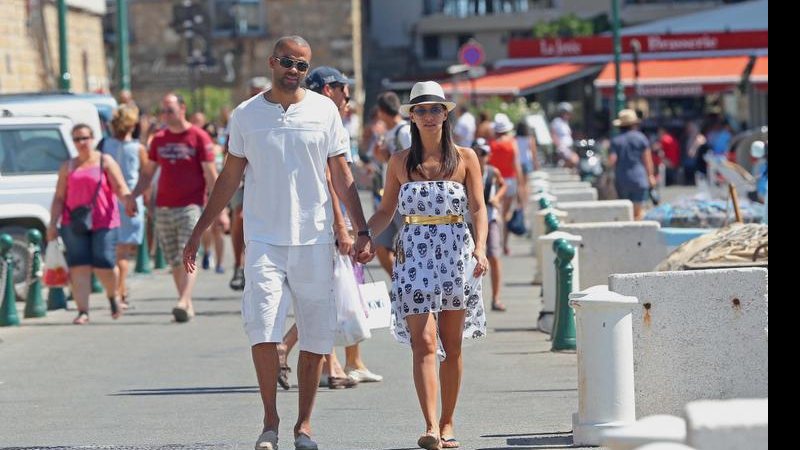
(563, 133)
(286, 199)
(465, 130)
(400, 135)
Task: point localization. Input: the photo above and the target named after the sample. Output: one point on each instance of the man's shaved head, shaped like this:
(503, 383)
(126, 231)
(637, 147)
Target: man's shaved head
(290, 42)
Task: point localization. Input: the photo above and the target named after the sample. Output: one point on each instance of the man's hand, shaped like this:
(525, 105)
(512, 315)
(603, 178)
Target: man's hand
(131, 208)
(344, 242)
(190, 253)
(364, 251)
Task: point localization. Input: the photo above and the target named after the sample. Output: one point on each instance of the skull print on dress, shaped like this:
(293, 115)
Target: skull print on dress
(432, 266)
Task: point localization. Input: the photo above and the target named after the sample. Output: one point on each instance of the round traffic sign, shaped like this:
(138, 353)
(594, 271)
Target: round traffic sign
(471, 54)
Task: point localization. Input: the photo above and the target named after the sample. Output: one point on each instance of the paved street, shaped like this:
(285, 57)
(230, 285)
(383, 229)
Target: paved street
(144, 382)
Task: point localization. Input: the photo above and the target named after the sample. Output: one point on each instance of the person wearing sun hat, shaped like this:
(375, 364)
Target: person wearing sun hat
(632, 159)
(436, 286)
(505, 156)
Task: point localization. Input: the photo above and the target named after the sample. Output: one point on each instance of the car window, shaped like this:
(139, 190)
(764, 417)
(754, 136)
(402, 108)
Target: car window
(31, 151)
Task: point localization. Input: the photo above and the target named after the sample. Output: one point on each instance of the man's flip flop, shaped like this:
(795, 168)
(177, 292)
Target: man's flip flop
(450, 443)
(429, 442)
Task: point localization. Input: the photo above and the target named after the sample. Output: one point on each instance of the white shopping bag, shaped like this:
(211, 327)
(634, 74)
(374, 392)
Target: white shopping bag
(379, 308)
(351, 320)
(56, 273)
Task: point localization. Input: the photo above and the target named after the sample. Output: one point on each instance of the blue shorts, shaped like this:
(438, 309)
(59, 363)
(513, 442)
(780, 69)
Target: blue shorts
(97, 249)
(634, 194)
(131, 229)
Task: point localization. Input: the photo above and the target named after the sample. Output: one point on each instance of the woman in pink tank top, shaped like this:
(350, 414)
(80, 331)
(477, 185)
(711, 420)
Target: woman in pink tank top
(94, 180)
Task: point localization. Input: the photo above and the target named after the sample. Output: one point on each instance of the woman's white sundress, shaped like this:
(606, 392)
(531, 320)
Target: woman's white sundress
(429, 273)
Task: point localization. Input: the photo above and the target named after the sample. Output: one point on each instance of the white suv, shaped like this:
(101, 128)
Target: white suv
(31, 152)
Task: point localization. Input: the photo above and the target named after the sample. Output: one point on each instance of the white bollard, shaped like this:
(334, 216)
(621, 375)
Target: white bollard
(548, 270)
(604, 330)
(650, 430)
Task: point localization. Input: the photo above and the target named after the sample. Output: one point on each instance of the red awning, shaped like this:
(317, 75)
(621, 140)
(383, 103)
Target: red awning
(677, 77)
(521, 81)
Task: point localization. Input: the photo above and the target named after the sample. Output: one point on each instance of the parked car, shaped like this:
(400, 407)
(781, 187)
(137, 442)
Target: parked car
(77, 110)
(31, 151)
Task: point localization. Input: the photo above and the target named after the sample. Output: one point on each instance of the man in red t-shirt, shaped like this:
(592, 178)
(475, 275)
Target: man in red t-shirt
(672, 154)
(185, 155)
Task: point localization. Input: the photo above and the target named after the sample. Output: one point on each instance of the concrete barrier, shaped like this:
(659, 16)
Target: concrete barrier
(696, 335)
(537, 186)
(740, 424)
(616, 247)
(574, 195)
(598, 211)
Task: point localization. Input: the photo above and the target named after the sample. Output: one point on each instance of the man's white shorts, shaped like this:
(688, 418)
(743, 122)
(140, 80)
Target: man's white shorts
(276, 275)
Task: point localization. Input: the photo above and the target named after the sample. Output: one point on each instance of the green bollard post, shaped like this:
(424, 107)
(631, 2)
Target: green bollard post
(96, 286)
(161, 261)
(564, 334)
(544, 203)
(143, 256)
(551, 222)
(34, 303)
(8, 307)
(56, 298)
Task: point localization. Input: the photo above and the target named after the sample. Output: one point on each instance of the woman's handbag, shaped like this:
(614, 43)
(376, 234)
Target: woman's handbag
(517, 223)
(80, 218)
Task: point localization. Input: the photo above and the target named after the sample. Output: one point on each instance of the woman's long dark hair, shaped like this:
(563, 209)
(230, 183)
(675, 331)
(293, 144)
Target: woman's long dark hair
(450, 155)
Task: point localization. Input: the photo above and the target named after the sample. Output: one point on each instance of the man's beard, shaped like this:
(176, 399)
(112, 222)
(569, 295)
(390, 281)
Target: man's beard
(288, 85)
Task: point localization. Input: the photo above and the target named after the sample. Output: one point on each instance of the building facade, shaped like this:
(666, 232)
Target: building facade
(29, 46)
(231, 44)
(409, 39)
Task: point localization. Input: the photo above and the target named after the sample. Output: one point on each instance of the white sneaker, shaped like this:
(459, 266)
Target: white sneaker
(303, 442)
(267, 441)
(364, 376)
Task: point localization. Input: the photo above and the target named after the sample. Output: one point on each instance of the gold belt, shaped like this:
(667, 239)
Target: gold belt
(433, 220)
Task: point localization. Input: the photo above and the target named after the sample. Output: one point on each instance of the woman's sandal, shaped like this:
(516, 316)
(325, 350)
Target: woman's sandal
(429, 441)
(497, 306)
(116, 309)
(450, 443)
(82, 319)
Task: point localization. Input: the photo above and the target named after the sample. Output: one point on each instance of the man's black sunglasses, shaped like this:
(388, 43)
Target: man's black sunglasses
(288, 63)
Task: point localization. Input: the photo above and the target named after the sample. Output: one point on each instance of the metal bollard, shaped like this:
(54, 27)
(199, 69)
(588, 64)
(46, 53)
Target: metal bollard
(8, 307)
(551, 222)
(34, 303)
(564, 323)
(160, 260)
(143, 256)
(56, 298)
(96, 286)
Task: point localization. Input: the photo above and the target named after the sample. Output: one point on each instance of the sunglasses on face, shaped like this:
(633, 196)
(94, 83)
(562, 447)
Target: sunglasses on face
(341, 86)
(166, 111)
(288, 63)
(81, 138)
(433, 110)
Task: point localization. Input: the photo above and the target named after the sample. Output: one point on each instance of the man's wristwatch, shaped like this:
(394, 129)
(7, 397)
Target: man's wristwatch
(366, 233)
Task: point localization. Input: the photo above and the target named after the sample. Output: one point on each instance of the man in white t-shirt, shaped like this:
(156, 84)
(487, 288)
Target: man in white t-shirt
(283, 140)
(562, 135)
(464, 131)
